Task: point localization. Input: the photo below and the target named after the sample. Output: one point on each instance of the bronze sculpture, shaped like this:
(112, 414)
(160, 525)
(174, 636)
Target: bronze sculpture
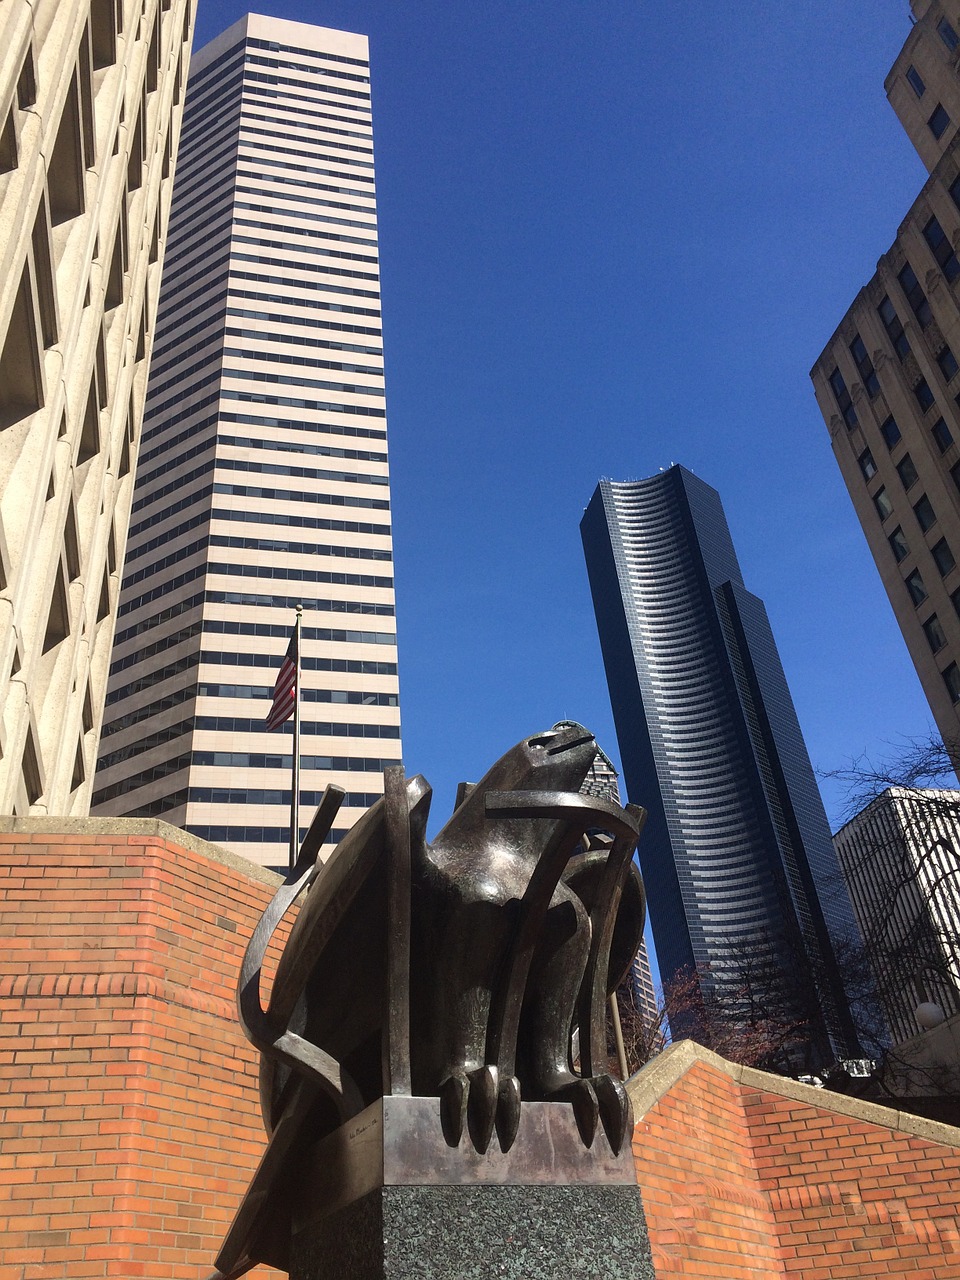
(456, 969)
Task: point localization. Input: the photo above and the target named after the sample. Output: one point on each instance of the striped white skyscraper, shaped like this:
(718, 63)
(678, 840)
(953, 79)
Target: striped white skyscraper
(263, 478)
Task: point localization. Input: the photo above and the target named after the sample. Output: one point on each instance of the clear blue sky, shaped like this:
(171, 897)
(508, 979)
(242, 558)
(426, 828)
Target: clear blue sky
(616, 235)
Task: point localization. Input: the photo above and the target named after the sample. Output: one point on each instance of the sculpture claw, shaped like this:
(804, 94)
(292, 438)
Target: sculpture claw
(508, 1112)
(614, 1110)
(586, 1108)
(482, 1106)
(453, 1107)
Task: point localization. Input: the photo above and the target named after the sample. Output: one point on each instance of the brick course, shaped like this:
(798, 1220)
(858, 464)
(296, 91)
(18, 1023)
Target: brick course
(132, 1122)
(132, 1125)
(747, 1175)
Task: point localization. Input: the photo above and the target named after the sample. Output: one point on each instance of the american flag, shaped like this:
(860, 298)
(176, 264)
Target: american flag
(285, 690)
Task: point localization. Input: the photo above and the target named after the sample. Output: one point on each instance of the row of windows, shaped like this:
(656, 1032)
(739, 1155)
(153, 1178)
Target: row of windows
(278, 104)
(304, 216)
(296, 446)
(253, 835)
(252, 152)
(141, 745)
(158, 771)
(289, 196)
(266, 77)
(146, 651)
(222, 626)
(317, 268)
(302, 340)
(254, 795)
(312, 728)
(264, 692)
(293, 602)
(315, 252)
(297, 573)
(295, 380)
(245, 128)
(307, 322)
(252, 60)
(280, 760)
(145, 711)
(313, 54)
(297, 402)
(308, 661)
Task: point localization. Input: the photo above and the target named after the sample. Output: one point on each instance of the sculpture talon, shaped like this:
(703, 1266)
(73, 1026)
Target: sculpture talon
(410, 960)
(614, 1110)
(508, 1112)
(454, 1093)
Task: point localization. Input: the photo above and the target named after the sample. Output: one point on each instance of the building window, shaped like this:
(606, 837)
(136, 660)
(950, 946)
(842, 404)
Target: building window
(867, 465)
(907, 471)
(948, 363)
(915, 295)
(938, 122)
(924, 395)
(955, 601)
(890, 432)
(926, 516)
(914, 585)
(942, 249)
(891, 321)
(934, 633)
(941, 434)
(955, 474)
(842, 396)
(864, 367)
(947, 34)
(883, 504)
(943, 557)
(898, 544)
(951, 678)
(915, 82)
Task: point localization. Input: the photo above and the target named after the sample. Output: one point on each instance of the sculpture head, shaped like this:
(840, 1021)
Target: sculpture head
(555, 760)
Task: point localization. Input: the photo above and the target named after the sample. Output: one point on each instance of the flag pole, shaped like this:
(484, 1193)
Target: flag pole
(295, 790)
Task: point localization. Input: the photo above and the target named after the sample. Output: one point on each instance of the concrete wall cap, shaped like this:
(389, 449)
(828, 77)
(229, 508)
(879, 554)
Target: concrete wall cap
(657, 1078)
(138, 827)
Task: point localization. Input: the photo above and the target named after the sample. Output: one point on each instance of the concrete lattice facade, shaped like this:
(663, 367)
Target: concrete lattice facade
(90, 104)
(740, 873)
(263, 480)
(888, 381)
(900, 857)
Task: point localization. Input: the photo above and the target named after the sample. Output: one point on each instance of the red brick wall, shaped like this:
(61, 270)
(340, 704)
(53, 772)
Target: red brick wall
(132, 1125)
(740, 1181)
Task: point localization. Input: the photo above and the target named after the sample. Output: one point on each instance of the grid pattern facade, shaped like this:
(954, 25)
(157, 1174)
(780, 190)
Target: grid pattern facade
(900, 857)
(736, 853)
(888, 381)
(263, 479)
(90, 106)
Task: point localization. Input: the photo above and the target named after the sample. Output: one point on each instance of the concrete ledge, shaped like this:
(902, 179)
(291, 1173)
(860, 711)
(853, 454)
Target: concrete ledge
(138, 827)
(658, 1077)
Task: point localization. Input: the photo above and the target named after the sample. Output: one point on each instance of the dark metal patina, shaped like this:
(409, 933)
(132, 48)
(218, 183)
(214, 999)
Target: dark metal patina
(456, 970)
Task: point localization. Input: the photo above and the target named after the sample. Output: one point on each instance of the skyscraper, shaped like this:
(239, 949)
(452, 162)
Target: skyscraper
(90, 106)
(263, 477)
(740, 872)
(888, 381)
(901, 859)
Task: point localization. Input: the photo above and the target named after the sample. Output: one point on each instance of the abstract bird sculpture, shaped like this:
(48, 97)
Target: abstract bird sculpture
(459, 969)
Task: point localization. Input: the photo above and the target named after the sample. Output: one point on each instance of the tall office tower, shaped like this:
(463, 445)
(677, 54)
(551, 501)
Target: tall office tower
(740, 873)
(887, 382)
(263, 480)
(90, 105)
(603, 782)
(899, 857)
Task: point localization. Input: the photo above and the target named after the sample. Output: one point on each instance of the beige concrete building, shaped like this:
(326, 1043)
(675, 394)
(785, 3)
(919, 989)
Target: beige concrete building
(90, 104)
(900, 858)
(263, 479)
(889, 379)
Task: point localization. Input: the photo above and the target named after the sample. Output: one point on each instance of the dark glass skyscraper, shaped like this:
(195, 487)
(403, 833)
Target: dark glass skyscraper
(737, 857)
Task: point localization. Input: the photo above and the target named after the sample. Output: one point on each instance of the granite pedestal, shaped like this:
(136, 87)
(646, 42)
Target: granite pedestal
(385, 1198)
